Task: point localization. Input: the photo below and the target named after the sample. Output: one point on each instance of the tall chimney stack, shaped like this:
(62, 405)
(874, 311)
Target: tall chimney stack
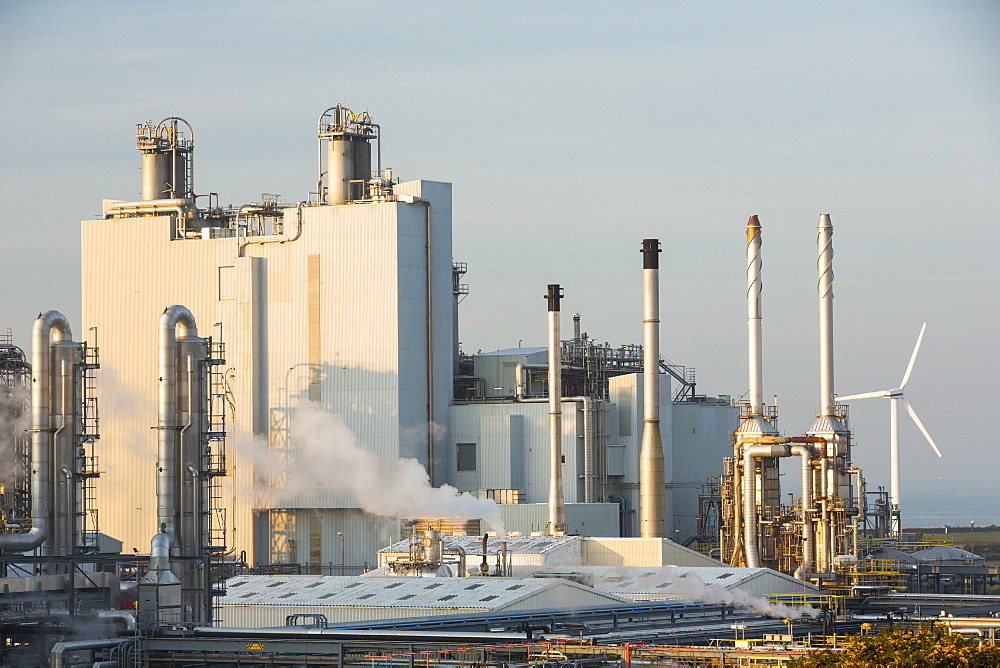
(824, 266)
(651, 477)
(557, 507)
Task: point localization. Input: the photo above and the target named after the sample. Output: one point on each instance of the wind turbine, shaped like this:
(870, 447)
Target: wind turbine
(895, 397)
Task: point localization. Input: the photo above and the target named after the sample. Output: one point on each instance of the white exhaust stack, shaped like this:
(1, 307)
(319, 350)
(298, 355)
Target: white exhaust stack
(755, 354)
(824, 266)
(651, 478)
(557, 506)
(828, 538)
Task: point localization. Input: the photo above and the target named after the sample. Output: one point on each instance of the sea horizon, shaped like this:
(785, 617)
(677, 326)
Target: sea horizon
(938, 503)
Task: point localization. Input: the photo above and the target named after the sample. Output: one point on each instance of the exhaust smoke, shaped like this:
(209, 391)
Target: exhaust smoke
(326, 456)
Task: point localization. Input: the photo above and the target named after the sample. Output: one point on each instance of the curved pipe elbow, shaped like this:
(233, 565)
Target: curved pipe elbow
(22, 542)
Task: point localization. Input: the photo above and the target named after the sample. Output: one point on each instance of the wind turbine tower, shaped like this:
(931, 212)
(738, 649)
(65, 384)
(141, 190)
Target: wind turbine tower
(895, 397)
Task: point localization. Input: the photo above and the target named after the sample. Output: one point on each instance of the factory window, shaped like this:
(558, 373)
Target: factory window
(364, 596)
(475, 586)
(466, 456)
(393, 585)
(275, 584)
(724, 576)
(330, 595)
(489, 598)
(238, 584)
(227, 284)
(288, 595)
(314, 584)
(406, 597)
(448, 597)
(433, 586)
(352, 586)
(513, 587)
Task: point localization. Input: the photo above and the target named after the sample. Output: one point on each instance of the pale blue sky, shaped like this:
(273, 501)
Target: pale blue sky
(572, 130)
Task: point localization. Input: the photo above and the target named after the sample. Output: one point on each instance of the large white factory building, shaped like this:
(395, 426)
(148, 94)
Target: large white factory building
(349, 300)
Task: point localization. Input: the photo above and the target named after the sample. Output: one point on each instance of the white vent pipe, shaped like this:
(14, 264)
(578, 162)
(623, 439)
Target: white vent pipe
(824, 286)
(557, 507)
(174, 318)
(805, 452)
(651, 467)
(751, 452)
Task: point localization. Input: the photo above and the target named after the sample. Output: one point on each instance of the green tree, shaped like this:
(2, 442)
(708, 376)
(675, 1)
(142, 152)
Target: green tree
(896, 647)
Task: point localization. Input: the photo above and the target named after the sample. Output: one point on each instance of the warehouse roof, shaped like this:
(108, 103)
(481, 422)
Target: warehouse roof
(676, 582)
(475, 593)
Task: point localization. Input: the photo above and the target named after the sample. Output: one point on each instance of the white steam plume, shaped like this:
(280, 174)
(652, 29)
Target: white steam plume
(326, 455)
(682, 583)
(689, 583)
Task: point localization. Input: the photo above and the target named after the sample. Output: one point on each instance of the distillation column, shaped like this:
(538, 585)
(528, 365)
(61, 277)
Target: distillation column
(186, 466)
(348, 154)
(60, 434)
(832, 483)
(755, 470)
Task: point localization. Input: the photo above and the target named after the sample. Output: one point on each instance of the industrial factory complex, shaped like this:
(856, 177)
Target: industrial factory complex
(264, 445)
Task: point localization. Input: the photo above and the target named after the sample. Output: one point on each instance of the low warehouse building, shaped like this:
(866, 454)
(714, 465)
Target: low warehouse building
(255, 601)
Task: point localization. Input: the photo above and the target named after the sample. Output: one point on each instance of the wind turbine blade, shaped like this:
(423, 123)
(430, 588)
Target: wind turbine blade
(866, 395)
(920, 425)
(913, 357)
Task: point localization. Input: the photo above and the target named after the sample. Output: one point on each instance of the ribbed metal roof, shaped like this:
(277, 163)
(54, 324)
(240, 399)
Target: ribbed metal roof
(515, 545)
(667, 580)
(474, 593)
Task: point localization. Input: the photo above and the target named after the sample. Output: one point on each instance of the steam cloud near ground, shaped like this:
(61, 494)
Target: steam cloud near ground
(327, 456)
(687, 584)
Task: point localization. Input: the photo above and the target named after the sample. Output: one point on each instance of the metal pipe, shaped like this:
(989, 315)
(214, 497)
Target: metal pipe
(824, 286)
(750, 453)
(652, 493)
(42, 432)
(429, 306)
(808, 541)
(460, 552)
(822, 560)
(174, 318)
(556, 508)
(589, 477)
(755, 395)
(180, 206)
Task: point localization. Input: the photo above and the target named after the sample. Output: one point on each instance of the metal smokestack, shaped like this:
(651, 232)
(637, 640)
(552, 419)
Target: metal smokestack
(651, 478)
(824, 265)
(557, 507)
(755, 356)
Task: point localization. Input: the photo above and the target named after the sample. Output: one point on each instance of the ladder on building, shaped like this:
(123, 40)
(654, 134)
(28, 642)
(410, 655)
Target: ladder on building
(87, 461)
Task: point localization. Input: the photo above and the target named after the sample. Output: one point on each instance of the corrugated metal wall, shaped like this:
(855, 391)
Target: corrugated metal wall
(484, 424)
(702, 435)
(369, 324)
